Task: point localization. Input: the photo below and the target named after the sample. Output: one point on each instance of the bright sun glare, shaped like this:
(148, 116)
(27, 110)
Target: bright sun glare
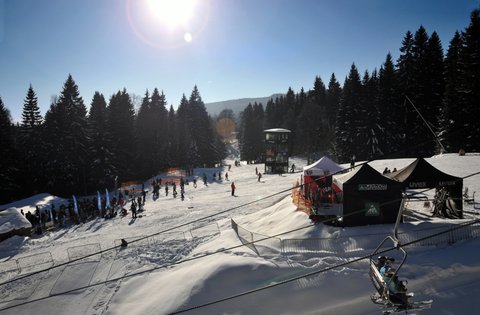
(172, 13)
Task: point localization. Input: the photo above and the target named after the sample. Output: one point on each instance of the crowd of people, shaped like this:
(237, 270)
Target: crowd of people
(74, 212)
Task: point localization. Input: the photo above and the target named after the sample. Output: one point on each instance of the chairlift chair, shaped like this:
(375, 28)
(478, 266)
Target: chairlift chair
(384, 297)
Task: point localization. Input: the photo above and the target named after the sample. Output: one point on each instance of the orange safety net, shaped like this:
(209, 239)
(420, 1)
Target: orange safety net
(302, 204)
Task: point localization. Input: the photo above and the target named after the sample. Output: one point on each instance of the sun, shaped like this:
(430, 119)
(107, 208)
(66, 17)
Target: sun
(172, 13)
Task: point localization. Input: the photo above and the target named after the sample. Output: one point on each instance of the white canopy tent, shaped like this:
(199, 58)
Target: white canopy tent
(324, 166)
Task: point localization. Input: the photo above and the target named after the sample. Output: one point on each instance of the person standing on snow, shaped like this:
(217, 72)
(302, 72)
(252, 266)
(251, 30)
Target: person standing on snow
(133, 208)
(233, 188)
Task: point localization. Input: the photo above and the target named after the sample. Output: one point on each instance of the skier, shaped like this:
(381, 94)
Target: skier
(259, 176)
(226, 176)
(233, 188)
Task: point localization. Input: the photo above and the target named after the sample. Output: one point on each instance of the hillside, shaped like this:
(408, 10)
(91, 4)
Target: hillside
(237, 105)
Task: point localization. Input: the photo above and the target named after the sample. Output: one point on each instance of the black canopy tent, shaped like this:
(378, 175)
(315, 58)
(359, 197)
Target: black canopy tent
(421, 175)
(366, 189)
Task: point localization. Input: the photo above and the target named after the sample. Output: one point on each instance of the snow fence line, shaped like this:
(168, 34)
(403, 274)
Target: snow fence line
(259, 243)
(37, 262)
(353, 244)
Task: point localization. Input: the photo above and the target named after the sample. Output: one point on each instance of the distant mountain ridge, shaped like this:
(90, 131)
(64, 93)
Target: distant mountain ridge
(237, 105)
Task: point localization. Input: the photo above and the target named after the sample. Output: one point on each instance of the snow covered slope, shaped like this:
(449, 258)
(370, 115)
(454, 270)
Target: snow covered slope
(190, 256)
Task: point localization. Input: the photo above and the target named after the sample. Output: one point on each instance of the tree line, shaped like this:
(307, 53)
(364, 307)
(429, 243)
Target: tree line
(72, 151)
(424, 103)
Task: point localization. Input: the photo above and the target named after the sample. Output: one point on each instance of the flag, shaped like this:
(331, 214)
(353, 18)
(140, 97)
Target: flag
(99, 201)
(75, 206)
(107, 197)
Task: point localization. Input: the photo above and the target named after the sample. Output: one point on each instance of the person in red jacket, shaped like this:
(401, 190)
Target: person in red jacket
(233, 188)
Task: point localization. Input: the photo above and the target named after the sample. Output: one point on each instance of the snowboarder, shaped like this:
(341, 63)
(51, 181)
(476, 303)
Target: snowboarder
(233, 188)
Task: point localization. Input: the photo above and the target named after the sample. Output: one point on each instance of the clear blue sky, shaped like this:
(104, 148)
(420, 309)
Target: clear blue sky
(229, 48)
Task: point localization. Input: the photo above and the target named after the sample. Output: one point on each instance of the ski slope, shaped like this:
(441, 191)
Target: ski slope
(190, 256)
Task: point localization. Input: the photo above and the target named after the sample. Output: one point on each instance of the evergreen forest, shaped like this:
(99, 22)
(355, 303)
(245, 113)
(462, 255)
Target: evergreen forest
(425, 102)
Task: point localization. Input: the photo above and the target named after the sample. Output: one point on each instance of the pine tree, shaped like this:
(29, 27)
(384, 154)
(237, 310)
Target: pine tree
(346, 129)
(31, 117)
(259, 135)
(144, 131)
(248, 137)
(390, 109)
(152, 134)
(121, 126)
(332, 100)
(405, 88)
(201, 150)
(306, 141)
(172, 138)
(67, 143)
(289, 111)
(31, 144)
(453, 117)
(270, 119)
(333, 97)
(368, 119)
(101, 171)
(159, 130)
(182, 131)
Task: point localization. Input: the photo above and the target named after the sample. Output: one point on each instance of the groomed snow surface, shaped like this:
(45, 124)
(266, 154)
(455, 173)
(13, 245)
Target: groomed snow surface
(191, 256)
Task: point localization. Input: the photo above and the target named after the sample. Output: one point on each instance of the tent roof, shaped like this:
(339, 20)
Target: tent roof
(12, 219)
(364, 174)
(322, 165)
(421, 171)
(277, 130)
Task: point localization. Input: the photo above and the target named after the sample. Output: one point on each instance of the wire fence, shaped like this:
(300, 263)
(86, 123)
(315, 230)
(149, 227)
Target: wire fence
(354, 244)
(140, 251)
(259, 243)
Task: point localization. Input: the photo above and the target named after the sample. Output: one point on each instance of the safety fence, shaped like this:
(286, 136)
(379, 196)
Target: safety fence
(352, 245)
(259, 243)
(298, 200)
(87, 264)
